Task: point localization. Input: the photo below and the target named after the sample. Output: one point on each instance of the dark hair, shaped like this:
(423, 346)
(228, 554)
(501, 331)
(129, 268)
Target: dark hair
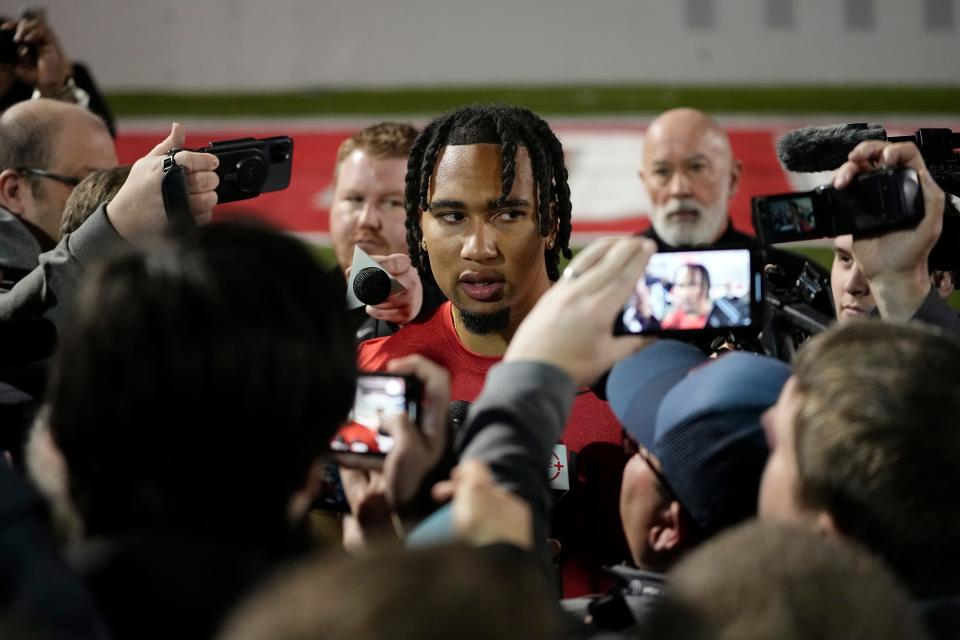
(199, 379)
(699, 268)
(509, 127)
(877, 442)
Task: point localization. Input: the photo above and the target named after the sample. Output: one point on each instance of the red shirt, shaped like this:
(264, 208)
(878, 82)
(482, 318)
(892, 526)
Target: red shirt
(586, 520)
(680, 319)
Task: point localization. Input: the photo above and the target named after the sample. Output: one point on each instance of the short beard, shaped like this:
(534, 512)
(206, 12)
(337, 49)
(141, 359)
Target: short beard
(483, 324)
(706, 231)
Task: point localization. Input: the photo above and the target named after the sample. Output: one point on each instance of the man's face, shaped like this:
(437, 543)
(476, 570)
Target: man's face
(688, 291)
(780, 482)
(640, 499)
(486, 257)
(81, 147)
(851, 292)
(368, 209)
(690, 177)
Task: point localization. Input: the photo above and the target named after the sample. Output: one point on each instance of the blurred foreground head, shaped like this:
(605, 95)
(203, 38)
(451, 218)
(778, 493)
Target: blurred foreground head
(772, 580)
(865, 439)
(433, 593)
(199, 378)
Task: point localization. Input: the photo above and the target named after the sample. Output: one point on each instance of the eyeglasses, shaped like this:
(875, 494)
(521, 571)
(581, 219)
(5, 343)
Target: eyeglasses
(42, 173)
(632, 447)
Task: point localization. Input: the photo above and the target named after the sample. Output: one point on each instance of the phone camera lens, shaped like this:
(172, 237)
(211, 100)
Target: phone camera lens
(280, 152)
(251, 174)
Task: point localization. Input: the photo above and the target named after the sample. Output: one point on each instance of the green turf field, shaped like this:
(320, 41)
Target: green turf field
(555, 100)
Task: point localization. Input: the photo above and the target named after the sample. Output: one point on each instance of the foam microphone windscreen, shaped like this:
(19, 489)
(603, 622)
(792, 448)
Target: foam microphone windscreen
(371, 286)
(825, 148)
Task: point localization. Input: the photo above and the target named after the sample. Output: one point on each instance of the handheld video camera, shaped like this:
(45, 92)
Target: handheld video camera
(874, 204)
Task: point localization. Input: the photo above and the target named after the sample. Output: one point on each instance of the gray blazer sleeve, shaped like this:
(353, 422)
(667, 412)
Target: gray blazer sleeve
(49, 289)
(513, 426)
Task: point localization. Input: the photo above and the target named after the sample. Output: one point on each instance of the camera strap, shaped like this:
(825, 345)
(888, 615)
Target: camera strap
(173, 187)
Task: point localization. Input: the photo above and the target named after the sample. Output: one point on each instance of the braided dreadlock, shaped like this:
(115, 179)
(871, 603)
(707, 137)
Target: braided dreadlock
(509, 127)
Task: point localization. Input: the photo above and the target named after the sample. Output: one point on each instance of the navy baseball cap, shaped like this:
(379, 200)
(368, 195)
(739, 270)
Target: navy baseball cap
(701, 419)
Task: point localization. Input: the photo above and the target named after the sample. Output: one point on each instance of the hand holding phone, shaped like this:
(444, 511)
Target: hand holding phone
(410, 442)
(249, 167)
(379, 398)
(696, 291)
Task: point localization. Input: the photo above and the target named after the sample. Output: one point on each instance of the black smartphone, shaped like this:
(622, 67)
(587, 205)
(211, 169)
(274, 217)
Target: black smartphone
(330, 493)
(702, 291)
(24, 54)
(249, 167)
(872, 204)
(378, 396)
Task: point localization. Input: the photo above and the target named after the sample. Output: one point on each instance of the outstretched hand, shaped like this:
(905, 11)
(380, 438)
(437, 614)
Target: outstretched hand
(137, 208)
(571, 327)
(402, 307)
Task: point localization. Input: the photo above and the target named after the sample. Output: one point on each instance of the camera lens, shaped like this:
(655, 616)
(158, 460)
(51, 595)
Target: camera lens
(251, 173)
(280, 152)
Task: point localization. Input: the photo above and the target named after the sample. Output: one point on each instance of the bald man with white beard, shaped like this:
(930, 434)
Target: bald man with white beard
(691, 176)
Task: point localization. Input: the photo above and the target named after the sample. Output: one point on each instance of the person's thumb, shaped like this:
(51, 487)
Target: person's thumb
(176, 139)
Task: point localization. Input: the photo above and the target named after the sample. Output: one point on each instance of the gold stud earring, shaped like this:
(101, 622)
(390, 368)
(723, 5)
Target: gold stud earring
(423, 246)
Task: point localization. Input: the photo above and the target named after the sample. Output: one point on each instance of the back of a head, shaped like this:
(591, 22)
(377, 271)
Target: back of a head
(877, 443)
(199, 378)
(94, 190)
(430, 594)
(773, 580)
(509, 127)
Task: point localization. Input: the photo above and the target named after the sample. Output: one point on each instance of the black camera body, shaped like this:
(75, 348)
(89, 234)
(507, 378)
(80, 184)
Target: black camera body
(249, 167)
(15, 53)
(874, 204)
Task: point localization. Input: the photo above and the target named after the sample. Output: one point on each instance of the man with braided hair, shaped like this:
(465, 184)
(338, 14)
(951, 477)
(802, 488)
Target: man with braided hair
(488, 216)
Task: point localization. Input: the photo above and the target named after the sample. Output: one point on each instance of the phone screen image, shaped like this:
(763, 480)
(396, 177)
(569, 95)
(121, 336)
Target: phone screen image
(377, 398)
(692, 291)
(794, 215)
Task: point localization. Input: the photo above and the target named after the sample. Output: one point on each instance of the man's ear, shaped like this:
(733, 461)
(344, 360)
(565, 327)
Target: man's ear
(668, 530)
(551, 238)
(736, 168)
(12, 186)
(943, 283)
(827, 526)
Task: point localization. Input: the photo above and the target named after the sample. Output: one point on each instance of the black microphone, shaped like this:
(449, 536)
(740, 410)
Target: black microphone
(457, 410)
(825, 148)
(369, 283)
(371, 286)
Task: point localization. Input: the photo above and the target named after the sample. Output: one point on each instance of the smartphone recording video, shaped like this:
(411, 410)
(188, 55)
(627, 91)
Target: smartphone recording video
(378, 396)
(702, 290)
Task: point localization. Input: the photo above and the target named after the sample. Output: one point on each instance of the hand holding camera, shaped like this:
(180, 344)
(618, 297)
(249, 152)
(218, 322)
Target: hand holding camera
(895, 263)
(31, 45)
(138, 207)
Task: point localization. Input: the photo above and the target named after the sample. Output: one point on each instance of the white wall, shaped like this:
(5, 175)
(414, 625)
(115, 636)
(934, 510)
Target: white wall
(207, 45)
